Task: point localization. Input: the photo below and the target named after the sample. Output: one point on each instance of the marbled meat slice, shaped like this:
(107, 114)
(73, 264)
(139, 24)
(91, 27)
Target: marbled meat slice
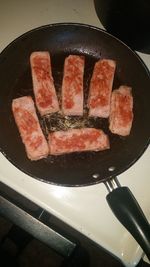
(72, 86)
(121, 111)
(28, 125)
(43, 84)
(77, 140)
(101, 87)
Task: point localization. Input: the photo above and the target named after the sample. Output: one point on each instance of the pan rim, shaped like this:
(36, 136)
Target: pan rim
(57, 24)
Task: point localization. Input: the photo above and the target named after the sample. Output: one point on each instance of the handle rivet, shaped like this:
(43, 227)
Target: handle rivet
(95, 175)
(112, 168)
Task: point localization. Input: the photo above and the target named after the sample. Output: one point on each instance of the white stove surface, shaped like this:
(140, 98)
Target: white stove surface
(83, 208)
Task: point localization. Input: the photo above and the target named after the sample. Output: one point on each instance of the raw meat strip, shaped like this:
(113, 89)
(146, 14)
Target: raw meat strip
(101, 87)
(27, 121)
(72, 86)
(121, 111)
(43, 84)
(76, 140)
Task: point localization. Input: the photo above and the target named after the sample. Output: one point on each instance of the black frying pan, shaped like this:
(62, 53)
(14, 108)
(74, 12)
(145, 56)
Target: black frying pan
(77, 169)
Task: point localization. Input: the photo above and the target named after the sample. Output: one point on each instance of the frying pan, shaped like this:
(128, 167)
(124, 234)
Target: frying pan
(79, 169)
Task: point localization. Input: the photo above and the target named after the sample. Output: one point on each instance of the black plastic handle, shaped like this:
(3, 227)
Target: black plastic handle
(128, 212)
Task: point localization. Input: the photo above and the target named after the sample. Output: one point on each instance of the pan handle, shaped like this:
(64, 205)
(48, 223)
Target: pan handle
(128, 212)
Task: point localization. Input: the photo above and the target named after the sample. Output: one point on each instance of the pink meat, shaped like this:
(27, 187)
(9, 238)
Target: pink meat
(121, 111)
(28, 125)
(72, 86)
(43, 84)
(101, 87)
(77, 140)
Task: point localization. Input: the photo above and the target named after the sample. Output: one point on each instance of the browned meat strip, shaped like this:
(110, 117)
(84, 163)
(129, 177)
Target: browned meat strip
(121, 111)
(72, 86)
(27, 121)
(43, 84)
(77, 140)
(101, 87)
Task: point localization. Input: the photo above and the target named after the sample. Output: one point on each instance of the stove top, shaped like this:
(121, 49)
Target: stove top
(84, 208)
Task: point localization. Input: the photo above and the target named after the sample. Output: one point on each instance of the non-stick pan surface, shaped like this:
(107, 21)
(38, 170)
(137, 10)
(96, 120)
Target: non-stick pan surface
(15, 80)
